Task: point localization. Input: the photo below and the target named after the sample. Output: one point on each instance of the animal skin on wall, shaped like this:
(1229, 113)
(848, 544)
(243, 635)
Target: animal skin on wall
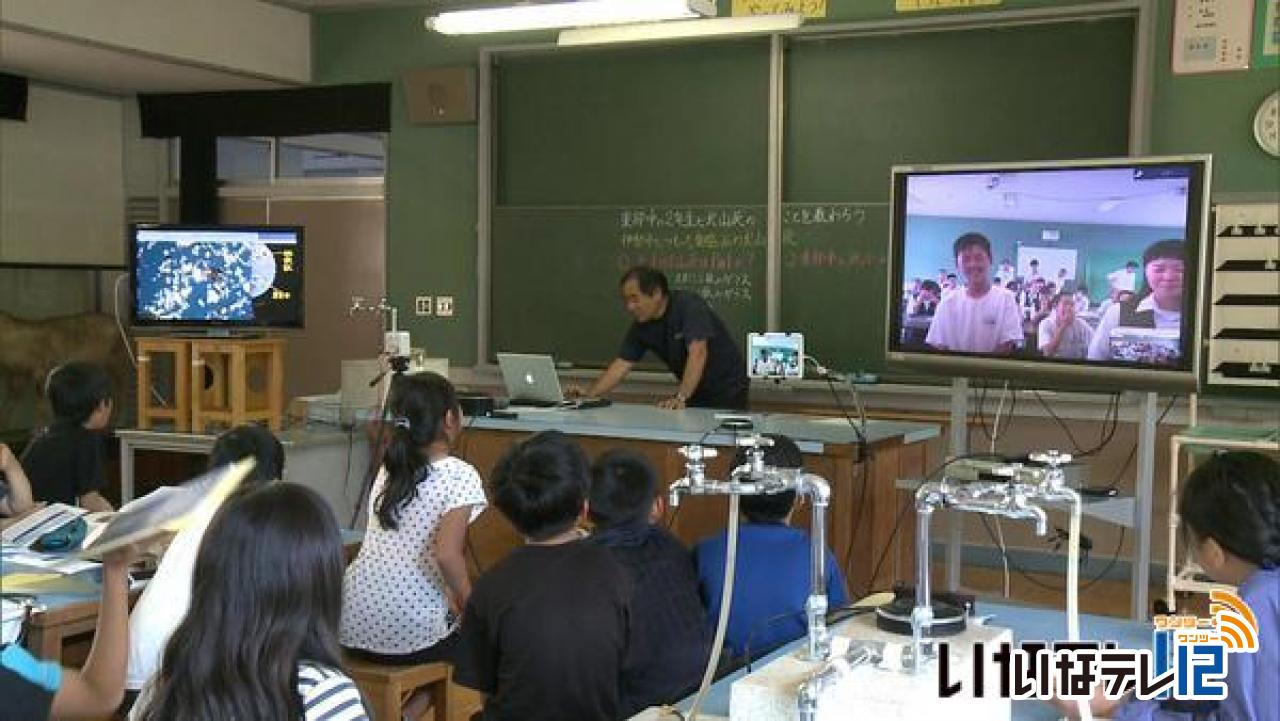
(29, 349)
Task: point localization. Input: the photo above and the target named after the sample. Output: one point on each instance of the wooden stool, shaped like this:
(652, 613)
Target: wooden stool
(229, 399)
(179, 411)
(386, 688)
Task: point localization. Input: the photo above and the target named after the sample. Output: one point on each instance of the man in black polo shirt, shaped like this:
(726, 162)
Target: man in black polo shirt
(681, 329)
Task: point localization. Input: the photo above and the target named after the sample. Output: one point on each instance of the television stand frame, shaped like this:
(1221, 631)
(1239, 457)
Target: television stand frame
(1140, 583)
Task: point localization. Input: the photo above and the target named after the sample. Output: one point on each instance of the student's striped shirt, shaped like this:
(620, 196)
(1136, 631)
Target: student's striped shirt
(329, 695)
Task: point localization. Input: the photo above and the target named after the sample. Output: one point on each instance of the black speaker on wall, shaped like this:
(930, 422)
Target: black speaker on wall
(13, 97)
(441, 96)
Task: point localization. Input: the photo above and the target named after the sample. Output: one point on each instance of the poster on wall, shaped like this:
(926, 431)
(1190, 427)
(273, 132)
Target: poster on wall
(1212, 35)
(906, 6)
(1266, 34)
(808, 8)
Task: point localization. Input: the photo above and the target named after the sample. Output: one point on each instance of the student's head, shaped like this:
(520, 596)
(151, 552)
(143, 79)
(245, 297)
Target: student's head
(80, 394)
(541, 485)
(972, 252)
(1131, 266)
(623, 489)
(644, 292)
(1124, 296)
(250, 441)
(1064, 307)
(1163, 263)
(1230, 508)
(771, 507)
(950, 281)
(1082, 289)
(266, 595)
(930, 290)
(422, 415)
(1035, 264)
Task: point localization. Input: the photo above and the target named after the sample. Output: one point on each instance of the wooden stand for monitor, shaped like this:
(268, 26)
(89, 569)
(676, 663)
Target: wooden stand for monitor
(221, 393)
(211, 382)
(178, 408)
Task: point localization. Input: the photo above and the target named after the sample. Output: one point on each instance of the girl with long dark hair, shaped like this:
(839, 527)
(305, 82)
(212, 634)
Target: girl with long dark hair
(403, 593)
(260, 640)
(1230, 510)
(163, 603)
(1158, 304)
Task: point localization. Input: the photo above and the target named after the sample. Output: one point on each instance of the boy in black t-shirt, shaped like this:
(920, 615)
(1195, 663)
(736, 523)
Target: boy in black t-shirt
(544, 632)
(669, 642)
(64, 462)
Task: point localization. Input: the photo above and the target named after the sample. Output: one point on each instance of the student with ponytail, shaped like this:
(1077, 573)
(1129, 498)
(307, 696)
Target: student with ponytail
(403, 593)
(1230, 510)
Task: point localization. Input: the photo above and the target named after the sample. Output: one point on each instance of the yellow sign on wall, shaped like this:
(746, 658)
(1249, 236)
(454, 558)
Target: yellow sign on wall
(808, 8)
(904, 6)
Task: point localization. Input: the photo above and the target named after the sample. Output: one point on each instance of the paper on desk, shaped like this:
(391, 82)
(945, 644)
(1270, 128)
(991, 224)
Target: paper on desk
(64, 565)
(37, 583)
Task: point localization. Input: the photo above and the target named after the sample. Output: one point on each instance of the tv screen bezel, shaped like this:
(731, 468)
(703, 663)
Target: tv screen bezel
(1053, 372)
(131, 250)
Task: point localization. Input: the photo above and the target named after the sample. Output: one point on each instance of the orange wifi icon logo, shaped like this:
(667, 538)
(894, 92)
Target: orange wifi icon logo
(1237, 626)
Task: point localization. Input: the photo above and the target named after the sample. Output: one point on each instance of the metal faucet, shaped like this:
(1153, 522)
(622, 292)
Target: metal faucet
(810, 692)
(1011, 499)
(755, 477)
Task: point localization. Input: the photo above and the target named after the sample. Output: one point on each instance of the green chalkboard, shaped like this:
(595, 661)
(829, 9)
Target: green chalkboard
(858, 106)
(608, 158)
(659, 155)
(577, 316)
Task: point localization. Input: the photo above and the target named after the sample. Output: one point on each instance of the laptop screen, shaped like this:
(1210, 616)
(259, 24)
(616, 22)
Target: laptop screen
(530, 377)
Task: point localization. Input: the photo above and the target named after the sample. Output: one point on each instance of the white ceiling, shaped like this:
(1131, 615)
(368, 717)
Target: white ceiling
(1085, 195)
(321, 5)
(72, 62)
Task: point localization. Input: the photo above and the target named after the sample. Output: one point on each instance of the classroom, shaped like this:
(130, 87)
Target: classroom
(857, 348)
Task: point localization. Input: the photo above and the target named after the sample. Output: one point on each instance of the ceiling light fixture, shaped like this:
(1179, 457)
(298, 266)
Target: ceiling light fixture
(580, 13)
(681, 29)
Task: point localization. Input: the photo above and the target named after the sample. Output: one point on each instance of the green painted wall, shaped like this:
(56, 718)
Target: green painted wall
(431, 183)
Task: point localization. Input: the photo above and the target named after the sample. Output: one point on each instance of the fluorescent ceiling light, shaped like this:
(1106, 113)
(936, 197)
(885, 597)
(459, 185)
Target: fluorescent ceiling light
(545, 16)
(679, 29)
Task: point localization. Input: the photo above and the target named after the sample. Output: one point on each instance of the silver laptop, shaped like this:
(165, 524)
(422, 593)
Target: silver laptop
(531, 379)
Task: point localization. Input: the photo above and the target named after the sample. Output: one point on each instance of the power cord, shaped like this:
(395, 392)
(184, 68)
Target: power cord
(864, 449)
(1110, 420)
(124, 337)
(1086, 544)
(897, 523)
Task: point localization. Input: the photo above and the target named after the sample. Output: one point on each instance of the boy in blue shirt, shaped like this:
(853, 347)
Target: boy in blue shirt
(771, 581)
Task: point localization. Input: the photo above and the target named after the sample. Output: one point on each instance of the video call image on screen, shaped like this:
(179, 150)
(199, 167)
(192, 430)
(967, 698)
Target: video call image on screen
(1075, 264)
(775, 355)
(250, 277)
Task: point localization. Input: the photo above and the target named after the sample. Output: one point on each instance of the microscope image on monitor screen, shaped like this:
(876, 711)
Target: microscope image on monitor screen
(223, 276)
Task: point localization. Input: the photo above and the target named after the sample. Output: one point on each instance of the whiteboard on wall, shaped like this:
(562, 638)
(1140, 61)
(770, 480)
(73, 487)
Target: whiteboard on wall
(62, 180)
(1051, 260)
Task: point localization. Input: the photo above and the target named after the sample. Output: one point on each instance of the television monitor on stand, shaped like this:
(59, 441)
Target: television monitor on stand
(1084, 274)
(217, 279)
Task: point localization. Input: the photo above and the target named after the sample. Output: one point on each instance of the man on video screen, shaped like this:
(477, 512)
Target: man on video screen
(980, 317)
